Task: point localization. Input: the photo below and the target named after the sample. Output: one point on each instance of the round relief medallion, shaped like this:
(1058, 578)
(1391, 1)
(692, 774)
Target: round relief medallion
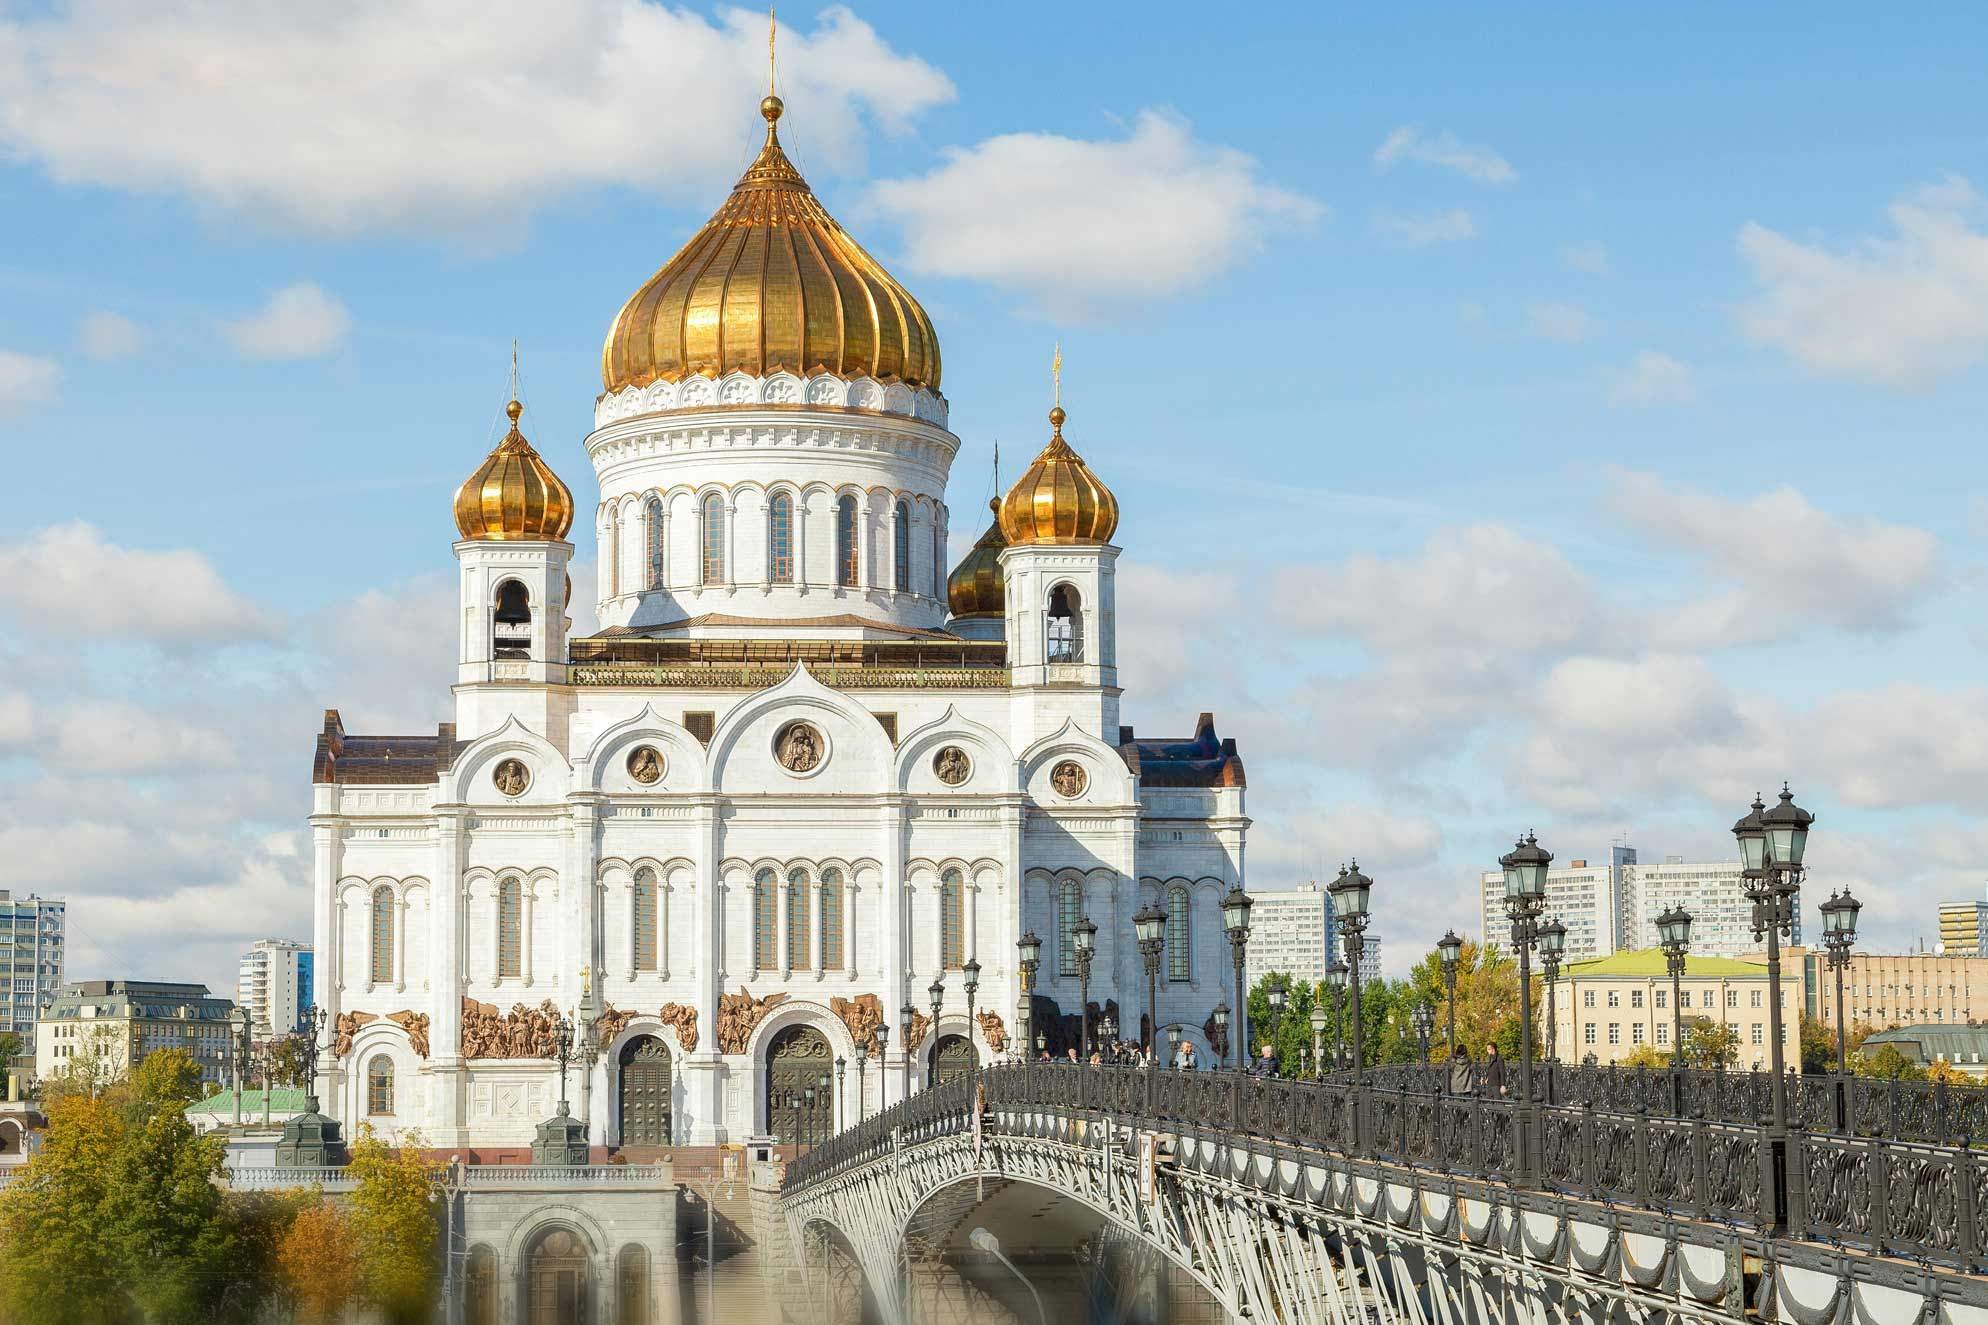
(645, 764)
(799, 747)
(951, 765)
(1069, 779)
(511, 777)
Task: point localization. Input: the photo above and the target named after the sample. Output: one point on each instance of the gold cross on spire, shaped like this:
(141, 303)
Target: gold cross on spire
(514, 368)
(772, 32)
(1056, 374)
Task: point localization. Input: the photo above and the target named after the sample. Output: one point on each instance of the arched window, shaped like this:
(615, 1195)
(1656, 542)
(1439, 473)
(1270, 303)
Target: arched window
(1069, 910)
(511, 622)
(613, 557)
(902, 549)
(845, 542)
(510, 928)
(952, 920)
(631, 1285)
(713, 539)
(797, 920)
(655, 518)
(1180, 958)
(379, 1086)
(382, 969)
(482, 1294)
(1066, 625)
(780, 539)
(644, 919)
(831, 920)
(765, 924)
(938, 561)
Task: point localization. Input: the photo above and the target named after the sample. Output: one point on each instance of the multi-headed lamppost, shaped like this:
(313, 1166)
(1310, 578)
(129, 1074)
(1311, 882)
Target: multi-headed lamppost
(1674, 933)
(1424, 1020)
(1351, 892)
(1839, 935)
(1335, 984)
(1235, 921)
(970, 983)
(1525, 897)
(1771, 845)
(1552, 943)
(1451, 947)
(1028, 951)
(1085, 935)
(1150, 924)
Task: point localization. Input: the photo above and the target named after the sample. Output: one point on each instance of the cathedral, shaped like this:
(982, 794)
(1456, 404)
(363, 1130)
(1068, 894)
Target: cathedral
(765, 844)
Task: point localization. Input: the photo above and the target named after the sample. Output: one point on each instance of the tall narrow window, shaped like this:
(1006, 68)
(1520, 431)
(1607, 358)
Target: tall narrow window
(845, 542)
(1066, 629)
(712, 537)
(645, 919)
(938, 561)
(510, 928)
(831, 920)
(765, 925)
(613, 553)
(655, 519)
(1069, 910)
(901, 551)
(382, 970)
(952, 920)
(632, 1285)
(797, 920)
(1180, 958)
(780, 539)
(379, 1085)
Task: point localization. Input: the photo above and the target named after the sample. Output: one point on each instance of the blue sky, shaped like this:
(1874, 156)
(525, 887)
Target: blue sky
(1559, 418)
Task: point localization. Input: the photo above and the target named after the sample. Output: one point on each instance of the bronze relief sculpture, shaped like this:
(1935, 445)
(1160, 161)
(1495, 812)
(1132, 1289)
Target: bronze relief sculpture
(738, 1014)
(1069, 779)
(645, 765)
(510, 777)
(799, 747)
(951, 766)
(861, 1016)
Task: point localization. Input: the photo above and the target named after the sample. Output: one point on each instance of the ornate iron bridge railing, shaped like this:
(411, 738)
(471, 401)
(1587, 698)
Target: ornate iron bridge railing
(1910, 1199)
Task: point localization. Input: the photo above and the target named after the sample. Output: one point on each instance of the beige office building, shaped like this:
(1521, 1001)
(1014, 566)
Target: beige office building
(1609, 1006)
(1904, 989)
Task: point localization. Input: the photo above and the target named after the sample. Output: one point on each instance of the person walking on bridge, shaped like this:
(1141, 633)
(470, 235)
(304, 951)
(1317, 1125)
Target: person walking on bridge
(1492, 1078)
(1463, 1073)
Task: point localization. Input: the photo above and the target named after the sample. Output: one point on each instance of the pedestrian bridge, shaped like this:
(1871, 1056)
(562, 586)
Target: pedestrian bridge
(1385, 1203)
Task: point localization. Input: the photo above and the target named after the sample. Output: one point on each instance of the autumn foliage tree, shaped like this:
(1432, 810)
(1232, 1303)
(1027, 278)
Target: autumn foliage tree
(319, 1259)
(395, 1227)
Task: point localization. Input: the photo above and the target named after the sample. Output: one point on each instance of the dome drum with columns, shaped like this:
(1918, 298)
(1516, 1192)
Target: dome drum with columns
(805, 768)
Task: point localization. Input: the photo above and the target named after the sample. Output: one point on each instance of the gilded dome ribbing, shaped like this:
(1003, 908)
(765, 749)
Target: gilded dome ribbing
(1058, 499)
(514, 496)
(974, 587)
(771, 283)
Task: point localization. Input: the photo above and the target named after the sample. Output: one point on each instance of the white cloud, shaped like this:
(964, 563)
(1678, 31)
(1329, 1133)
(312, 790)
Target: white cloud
(467, 116)
(1900, 310)
(108, 336)
(1076, 225)
(1446, 227)
(1591, 258)
(1653, 378)
(300, 321)
(26, 379)
(17, 719)
(1792, 563)
(67, 580)
(114, 736)
(1561, 321)
(1411, 144)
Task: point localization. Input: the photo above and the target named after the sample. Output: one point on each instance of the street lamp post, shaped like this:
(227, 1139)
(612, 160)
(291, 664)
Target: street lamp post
(1552, 944)
(1173, 1045)
(1235, 922)
(1451, 948)
(1221, 1045)
(1525, 896)
(1424, 1021)
(1028, 953)
(883, 1045)
(1273, 994)
(1335, 983)
(841, 1091)
(1839, 935)
(238, 1056)
(905, 1016)
(1318, 1036)
(1086, 935)
(862, 1082)
(1771, 846)
(1351, 892)
(1150, 924)
(970, 983)
(1674, 933)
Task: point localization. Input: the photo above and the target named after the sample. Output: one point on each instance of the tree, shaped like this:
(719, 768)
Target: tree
(59, 1268)
(319, 1259)
(1290, 1033)
(1487, 1000)
(1945, 1073)
(96, 1065)
(1818, 1041)
(10, 1049)
(1645, 1055)
(1709, 1043)
(1886, 1062)
(394, 1225)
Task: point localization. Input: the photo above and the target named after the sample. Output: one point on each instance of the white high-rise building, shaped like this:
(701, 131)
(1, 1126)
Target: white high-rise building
(1580, 893)
(32, 948)
(1290, 931)
(274, 984)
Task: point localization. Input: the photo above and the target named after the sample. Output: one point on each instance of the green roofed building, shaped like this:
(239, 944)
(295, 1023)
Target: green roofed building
(1608, 1006)
(217, 1112)
(1965, 1046)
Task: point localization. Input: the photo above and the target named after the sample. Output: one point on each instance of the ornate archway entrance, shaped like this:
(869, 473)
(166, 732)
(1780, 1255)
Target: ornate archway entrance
(951, 1056)
(800, 1081)
(558, 1288)
(645, 1092)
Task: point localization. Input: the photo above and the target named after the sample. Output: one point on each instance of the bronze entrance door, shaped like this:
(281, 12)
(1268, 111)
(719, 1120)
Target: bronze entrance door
(645, 1093)
(800, 1081)
(951, 1056)
(556, 1288)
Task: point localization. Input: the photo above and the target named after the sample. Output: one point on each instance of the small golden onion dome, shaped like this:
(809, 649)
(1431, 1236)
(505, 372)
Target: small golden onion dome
(974, 587)
(1058, 499)
(514, 496)
(771, 282)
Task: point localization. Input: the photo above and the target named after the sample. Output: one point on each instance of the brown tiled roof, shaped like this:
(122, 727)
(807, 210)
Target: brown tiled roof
(1201, 760)
(725, 620)
(381, 760)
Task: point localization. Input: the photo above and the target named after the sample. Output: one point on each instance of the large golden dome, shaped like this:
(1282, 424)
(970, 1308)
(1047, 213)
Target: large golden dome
(514, 496)
(771, 282)
(1058, 499)
(974, 588)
